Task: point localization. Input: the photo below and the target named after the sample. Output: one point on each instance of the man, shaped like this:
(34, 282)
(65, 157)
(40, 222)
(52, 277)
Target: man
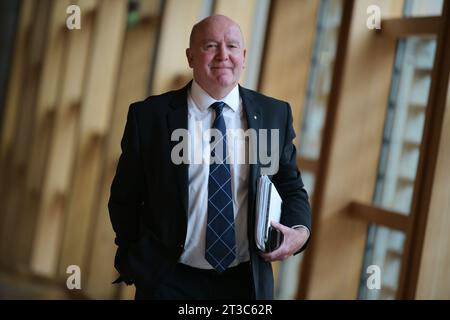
(186, 230)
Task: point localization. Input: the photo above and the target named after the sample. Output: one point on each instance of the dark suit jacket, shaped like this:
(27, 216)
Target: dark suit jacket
(149, 194)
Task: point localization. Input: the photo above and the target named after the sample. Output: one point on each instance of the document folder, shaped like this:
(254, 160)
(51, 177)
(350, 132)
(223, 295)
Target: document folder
(268, 208)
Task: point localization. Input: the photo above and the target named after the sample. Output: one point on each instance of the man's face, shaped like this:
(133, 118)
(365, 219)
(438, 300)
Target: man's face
(217, 56)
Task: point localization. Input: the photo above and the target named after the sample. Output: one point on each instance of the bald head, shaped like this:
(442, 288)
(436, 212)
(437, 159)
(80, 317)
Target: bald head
(216, 55)
(217, 20)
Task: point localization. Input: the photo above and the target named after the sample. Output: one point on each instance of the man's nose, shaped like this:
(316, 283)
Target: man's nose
(222, 52)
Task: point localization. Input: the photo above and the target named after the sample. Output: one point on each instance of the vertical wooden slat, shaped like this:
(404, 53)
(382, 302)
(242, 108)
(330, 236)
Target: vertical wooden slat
(49, 88)
(434, 278)
(240, 11)
(86, 7)
(17, 77)
(19, 133)
(9, 24)
(285, 72)
(132, 86)
(428, 238)
(282, 76)
(172, 69)
(11, 112)
(57, 176)
(94, 125)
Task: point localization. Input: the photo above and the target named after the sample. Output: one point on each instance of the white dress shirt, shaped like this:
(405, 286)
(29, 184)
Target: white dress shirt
(200, 120)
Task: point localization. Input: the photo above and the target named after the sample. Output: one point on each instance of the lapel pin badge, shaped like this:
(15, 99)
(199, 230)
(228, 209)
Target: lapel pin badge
(254, 117)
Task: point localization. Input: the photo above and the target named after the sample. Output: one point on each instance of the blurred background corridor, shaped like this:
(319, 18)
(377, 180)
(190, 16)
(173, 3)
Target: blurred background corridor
(371, 108)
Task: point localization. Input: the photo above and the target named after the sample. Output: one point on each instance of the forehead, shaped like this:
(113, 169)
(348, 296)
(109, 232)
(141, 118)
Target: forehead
(217, 31)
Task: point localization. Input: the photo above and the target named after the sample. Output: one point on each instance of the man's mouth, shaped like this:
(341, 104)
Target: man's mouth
(219, 67)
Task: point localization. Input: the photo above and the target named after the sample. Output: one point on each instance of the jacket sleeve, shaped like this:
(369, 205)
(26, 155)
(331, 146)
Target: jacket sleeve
(127, 194)
(296, 209)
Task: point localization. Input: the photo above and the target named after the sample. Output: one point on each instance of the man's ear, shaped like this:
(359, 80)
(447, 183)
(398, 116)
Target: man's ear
(189, 57)
(243, 62)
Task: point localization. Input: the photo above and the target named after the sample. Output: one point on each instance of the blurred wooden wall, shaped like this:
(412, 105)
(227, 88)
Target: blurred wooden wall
(65, 110)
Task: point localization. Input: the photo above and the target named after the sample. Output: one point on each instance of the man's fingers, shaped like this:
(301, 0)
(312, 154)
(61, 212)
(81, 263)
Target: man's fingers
(286, 249)
(279, 254)
(270, 256)
(274, 257)
(279, 226)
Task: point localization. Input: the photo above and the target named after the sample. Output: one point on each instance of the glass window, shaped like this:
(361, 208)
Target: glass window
(384, 250)
(399, 158)
(404, 123)
(417, 8)
(319, 83)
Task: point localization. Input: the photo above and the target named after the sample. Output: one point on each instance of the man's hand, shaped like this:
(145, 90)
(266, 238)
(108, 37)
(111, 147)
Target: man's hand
(293, 240)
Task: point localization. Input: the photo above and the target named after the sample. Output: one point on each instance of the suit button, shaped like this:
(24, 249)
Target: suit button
(181, 245)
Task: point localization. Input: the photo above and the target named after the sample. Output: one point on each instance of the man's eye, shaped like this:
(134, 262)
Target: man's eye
(211, 45)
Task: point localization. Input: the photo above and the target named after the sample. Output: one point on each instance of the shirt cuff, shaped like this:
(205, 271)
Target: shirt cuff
(300, 226)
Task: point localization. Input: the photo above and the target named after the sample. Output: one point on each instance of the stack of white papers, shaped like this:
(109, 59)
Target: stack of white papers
(268, 208)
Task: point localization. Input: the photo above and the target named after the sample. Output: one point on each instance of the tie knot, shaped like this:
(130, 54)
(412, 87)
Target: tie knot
(218, 107)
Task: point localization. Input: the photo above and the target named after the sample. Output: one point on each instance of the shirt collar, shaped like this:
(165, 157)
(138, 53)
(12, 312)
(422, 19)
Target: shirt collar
(203, 100)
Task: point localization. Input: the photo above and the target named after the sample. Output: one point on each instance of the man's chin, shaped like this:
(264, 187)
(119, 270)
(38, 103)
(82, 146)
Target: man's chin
(225, 81)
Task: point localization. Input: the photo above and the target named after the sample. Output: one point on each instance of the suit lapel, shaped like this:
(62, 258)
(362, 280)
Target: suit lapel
(177, 118)
(254, 119)
(254, 122)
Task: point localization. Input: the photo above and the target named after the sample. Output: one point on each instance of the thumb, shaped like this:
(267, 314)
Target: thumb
(279, 226)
